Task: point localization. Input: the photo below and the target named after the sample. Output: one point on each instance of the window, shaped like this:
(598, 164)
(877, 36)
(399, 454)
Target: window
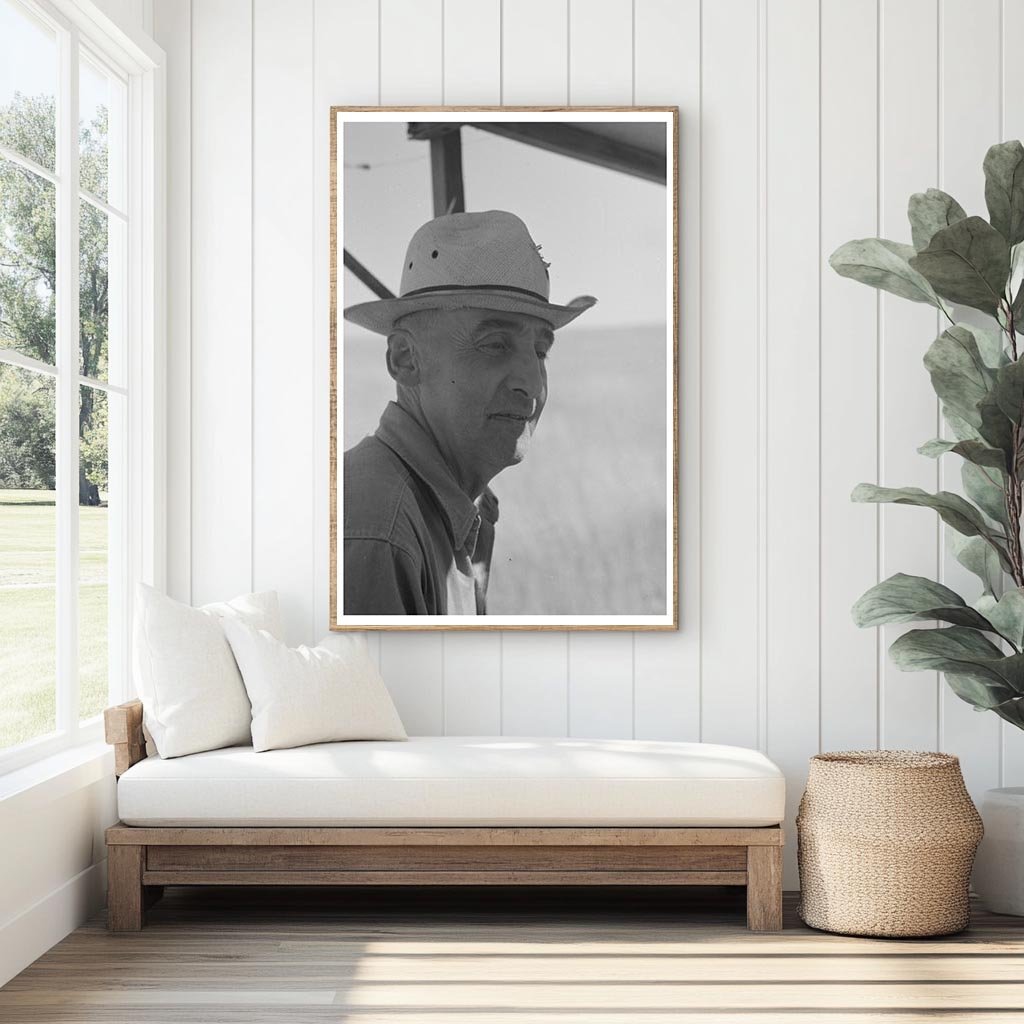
(77, 251)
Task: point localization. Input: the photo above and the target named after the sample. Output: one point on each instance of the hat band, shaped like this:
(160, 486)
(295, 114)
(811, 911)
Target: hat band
(474, 288)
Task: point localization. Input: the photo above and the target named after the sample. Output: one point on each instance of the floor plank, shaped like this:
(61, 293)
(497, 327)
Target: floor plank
(494, 956)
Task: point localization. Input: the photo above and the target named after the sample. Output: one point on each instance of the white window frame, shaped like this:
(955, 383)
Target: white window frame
(141, 64)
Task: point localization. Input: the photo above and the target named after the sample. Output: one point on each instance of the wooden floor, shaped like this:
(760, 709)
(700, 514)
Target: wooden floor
(271, 955)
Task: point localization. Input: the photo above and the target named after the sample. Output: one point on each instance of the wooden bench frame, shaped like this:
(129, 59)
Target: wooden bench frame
(142, 860)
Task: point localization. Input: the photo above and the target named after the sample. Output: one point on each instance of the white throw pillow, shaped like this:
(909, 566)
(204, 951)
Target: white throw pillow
(192, 693)
(310, 694)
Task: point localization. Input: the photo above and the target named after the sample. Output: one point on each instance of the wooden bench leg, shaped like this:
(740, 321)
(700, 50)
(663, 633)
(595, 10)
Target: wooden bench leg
(125, 897)
(764, 888)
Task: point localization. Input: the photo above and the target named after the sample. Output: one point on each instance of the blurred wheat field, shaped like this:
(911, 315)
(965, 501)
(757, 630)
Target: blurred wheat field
(582, 528)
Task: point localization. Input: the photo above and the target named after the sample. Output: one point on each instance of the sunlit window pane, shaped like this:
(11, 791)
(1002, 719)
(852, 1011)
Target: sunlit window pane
(101, 295)
(28, 545)
(28, 85)
(93, 550)
(101, 122)
(28, 263)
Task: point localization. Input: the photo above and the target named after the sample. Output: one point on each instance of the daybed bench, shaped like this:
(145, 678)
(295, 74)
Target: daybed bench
(444, 811)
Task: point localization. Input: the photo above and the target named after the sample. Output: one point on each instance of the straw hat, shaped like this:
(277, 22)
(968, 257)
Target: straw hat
(471, 260)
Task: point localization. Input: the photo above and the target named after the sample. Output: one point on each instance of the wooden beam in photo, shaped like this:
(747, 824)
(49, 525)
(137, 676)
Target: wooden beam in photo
(364, 275)
(445, 138)
(591, 147)
(446, 173)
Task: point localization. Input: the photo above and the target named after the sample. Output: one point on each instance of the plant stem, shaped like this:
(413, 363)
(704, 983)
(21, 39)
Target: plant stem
(1012, 497)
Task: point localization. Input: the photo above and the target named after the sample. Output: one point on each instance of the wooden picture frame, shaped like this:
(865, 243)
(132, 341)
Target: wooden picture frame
(624, 592)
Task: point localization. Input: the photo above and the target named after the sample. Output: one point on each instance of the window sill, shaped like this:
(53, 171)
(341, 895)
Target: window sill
(55, 776)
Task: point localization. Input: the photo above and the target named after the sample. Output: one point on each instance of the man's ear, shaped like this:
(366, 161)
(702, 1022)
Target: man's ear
(403, 359)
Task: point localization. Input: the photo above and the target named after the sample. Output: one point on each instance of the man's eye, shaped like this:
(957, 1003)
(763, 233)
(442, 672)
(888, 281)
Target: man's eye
(494, 343)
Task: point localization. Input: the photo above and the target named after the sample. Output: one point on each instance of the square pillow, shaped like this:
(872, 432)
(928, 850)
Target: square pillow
(191, 690)
(310, 694)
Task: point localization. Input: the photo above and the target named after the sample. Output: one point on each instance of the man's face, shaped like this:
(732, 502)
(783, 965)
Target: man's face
(483, 384)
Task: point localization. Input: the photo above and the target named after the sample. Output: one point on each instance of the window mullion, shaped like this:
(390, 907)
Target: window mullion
(67, 386)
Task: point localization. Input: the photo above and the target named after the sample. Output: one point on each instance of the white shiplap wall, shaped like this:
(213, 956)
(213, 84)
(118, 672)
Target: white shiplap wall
(803, 123)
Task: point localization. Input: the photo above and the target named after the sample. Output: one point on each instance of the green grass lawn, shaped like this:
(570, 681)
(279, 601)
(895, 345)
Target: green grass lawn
(28, 615)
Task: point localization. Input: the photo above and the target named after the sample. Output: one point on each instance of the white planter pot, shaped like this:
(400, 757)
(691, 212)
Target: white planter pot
(999, 866)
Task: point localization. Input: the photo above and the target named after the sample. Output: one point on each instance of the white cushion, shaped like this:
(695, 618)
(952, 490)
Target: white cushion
(309, 694)
(191, 691)
(456, 780)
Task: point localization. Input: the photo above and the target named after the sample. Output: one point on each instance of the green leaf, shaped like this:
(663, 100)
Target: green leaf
(990, 345)
(903, 598)
(954, 510)
(1004, 189)
(980, 692)
(1009, 390)
(1015, 285)
(996, 428)
(1011, 711)
(929, 212)
(963, 652)
(1017, 308)
(967, 263)
(973, 451)
(976, 555)
(962, 430)
(883, 264)
(985, 487)
(958, 372)
(1006, 614)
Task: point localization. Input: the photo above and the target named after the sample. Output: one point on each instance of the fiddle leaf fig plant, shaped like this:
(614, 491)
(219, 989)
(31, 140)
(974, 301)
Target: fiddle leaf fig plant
(978, 375)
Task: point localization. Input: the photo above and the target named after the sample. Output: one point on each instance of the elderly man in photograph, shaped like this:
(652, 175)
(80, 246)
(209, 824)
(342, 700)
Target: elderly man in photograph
(466, 343)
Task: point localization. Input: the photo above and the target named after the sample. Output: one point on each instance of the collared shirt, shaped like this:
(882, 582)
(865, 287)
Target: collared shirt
(414, 542)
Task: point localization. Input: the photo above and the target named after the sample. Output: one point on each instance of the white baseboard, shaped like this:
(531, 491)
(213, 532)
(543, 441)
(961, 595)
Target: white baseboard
(28, 936)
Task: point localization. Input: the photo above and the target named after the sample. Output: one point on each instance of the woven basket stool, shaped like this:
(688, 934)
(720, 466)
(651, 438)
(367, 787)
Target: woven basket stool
(885, 843)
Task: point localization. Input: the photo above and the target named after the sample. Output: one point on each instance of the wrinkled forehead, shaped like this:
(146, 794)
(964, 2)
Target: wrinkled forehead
(442, 322)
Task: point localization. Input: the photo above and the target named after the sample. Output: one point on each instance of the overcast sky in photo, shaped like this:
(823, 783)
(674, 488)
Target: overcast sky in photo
(602, 231)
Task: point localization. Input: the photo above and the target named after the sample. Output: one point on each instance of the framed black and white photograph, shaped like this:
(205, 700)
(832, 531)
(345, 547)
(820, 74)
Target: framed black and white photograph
(504, 347)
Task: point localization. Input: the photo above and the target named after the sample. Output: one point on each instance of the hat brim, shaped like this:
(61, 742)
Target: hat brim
(380, 316)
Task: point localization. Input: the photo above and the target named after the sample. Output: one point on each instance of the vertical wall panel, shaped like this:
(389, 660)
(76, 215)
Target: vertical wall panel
(344, 53)
(414, 672)
(472, 684)
(849, 369)
(472, 661)
(534, 59)
(283, 308)
(909, 415)
(410, 51)
(792, 383)
(221, 371)
(601, 52)
(601, 684)
(472, 52)
(173, 30)
(667, 665)
(729, 385)
(1012, 127)
(534, 676)
(969, 124)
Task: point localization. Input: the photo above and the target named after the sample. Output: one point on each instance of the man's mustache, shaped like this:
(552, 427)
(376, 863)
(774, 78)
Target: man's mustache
(523, 411)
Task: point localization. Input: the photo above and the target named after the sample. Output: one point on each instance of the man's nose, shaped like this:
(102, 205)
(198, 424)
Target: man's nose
(526, 376)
